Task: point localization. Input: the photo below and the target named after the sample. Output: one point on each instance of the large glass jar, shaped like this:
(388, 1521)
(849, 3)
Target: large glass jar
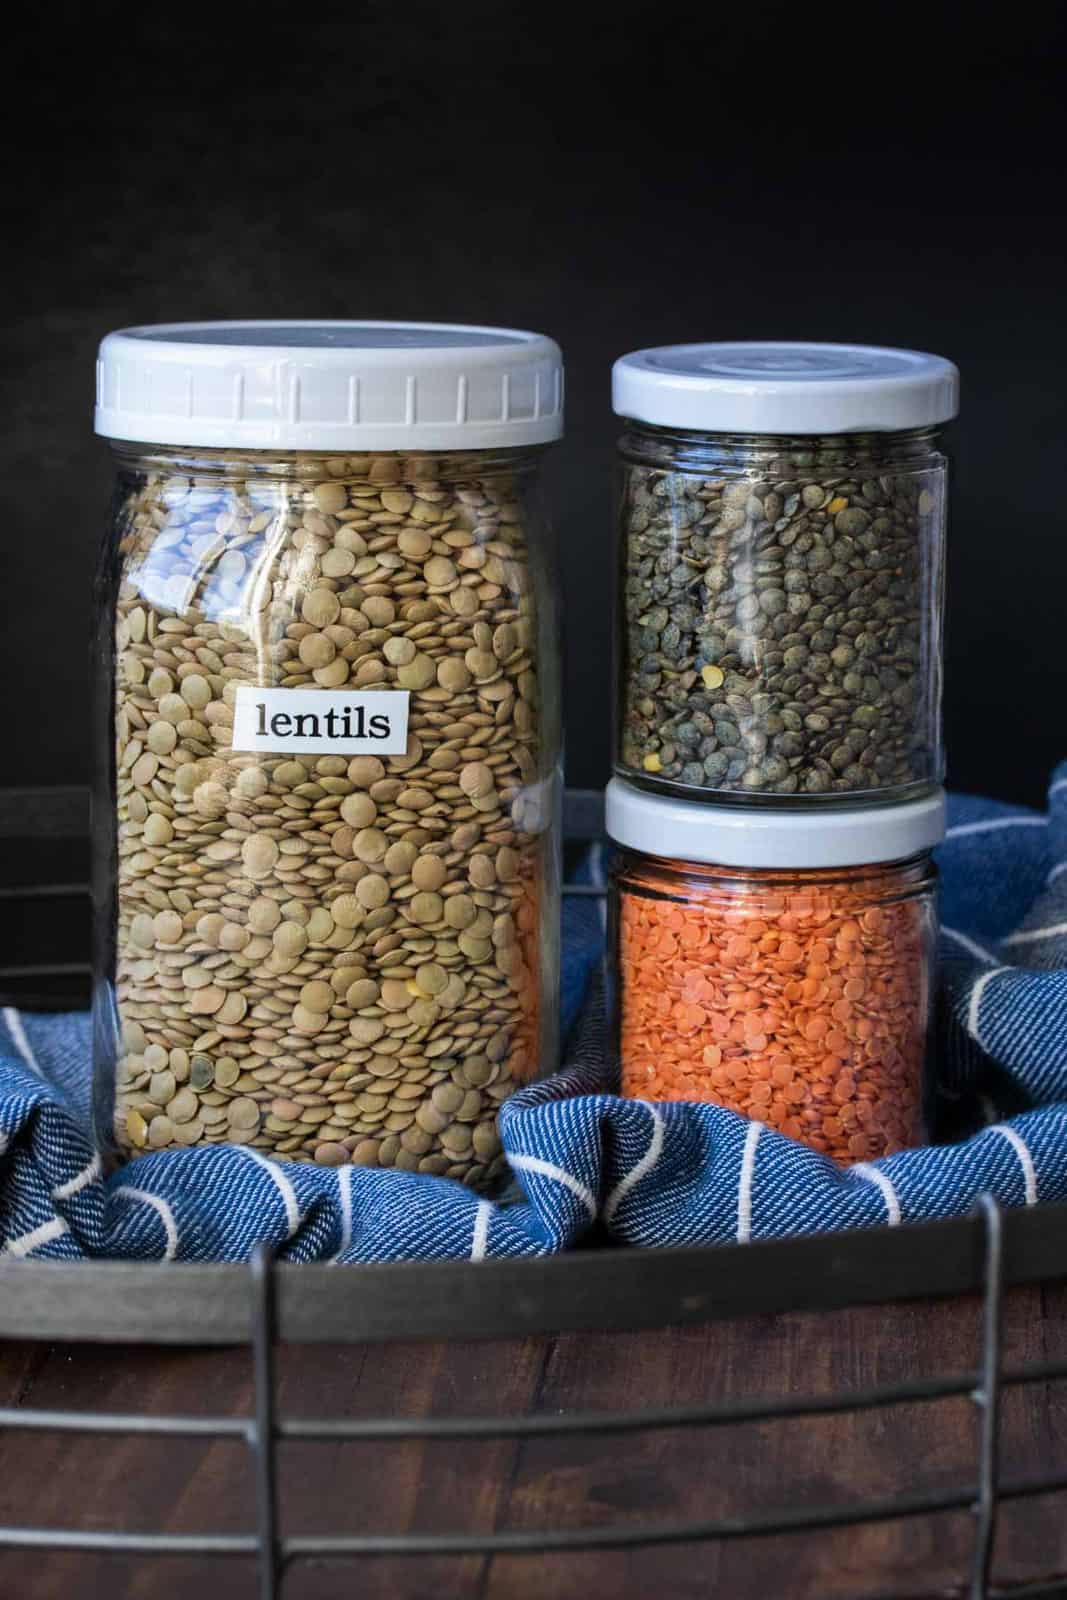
(327, 825)
(781, 968)
(782, 552)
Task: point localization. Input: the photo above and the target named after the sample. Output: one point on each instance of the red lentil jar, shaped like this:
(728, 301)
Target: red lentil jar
(778, 964)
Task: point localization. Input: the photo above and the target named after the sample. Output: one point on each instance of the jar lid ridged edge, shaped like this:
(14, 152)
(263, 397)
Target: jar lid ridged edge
(342, 385)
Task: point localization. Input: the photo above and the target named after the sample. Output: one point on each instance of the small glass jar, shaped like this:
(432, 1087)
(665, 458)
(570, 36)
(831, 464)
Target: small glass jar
(781, 968)
(782, 551)
(327, 829)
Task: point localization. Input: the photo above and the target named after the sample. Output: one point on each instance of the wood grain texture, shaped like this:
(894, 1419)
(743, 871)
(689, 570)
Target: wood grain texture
(189, 1485)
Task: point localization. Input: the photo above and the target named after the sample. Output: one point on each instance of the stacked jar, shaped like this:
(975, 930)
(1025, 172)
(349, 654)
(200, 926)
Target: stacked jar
(327, 824)
(779, 753)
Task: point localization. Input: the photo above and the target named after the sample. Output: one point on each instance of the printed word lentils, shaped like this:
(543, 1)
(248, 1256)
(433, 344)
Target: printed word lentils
(774, 617)
(334, 959)
(799, 1002)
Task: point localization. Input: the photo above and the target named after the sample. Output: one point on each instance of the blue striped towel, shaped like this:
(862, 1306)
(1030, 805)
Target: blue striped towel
(651, 1174)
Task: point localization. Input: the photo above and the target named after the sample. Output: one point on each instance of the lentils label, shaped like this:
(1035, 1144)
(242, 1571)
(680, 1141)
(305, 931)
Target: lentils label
(318, 722)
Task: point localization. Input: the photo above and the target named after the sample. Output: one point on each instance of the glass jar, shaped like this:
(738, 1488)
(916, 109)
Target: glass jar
(782, 552)
(782, 969)
(327, 824)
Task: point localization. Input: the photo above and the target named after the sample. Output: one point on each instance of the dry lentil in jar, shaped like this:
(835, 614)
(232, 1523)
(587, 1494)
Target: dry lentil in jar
(327, 958)
(800, 1004)
(780, 598)
(800, 997)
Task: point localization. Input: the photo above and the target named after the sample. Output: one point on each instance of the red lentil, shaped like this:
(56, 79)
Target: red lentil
(800, 999)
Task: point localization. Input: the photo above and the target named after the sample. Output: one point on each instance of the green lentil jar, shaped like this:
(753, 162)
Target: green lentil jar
(782, 531)
(327, 826)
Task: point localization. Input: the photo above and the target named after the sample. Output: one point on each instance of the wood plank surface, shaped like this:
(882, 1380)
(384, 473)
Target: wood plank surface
(189, 1485)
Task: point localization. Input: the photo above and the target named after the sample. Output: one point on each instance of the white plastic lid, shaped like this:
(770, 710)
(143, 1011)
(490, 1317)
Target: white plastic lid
(785, 387)
(329, 386)
(736, 836)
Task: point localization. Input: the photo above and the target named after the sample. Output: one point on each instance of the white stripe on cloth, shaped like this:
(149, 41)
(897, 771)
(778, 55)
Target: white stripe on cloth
(744, 1182)
(1026, 1160)
(1033, 934)
(968, 944)
(20, 1040)
(283, 1186)
(640, 1168)
(164, 1212)
(26, 1243)
(344, 1195)
(80, 1181)
(1061, 783)
(963, 828)
(975, 1004)
(480, 1237)
(1056, 871)
(548, 1169)
(863, 1169)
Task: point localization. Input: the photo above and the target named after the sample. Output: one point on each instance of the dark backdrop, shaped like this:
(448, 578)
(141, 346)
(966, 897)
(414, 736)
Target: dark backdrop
(620, 178)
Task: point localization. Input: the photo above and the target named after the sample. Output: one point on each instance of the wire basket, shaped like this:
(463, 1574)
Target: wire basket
(266, 1303)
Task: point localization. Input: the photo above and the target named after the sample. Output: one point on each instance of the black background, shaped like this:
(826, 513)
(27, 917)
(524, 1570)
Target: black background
(617, 178)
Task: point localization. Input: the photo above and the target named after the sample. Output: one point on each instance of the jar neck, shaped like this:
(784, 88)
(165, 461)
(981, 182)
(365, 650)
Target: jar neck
(380, 467)
(635, 872)
(777, 455)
